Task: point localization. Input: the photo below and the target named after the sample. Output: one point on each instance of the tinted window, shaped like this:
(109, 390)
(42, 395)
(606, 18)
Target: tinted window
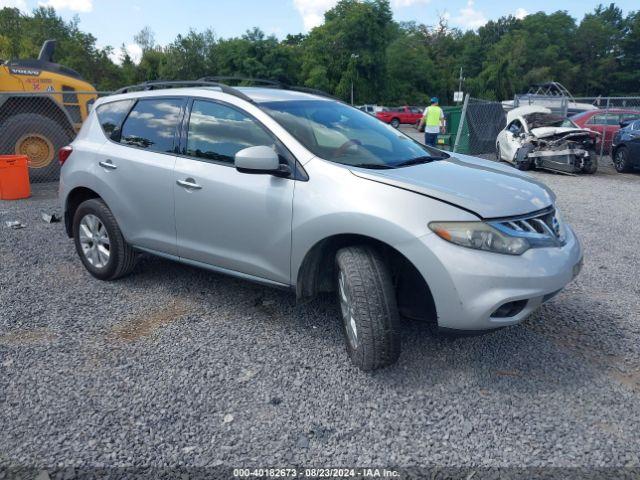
(217, 132)
(111, 115)
(152, 124)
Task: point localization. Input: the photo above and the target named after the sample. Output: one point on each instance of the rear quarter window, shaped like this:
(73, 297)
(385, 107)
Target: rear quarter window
(111, 115)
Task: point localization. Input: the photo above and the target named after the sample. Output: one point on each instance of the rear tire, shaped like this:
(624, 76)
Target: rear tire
(39, 137)
(368, 306)
(621, 160)
(498, 155)
(99, 241)
(395, 123)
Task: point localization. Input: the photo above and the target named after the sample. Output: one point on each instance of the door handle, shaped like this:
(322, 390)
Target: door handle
(189, 183)
(108, 164)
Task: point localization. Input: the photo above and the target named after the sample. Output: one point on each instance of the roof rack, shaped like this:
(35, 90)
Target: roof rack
(215, 81)
(156, 84)
(274, 83)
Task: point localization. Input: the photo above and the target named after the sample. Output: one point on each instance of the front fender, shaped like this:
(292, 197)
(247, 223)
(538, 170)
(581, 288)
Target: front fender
(336, 202)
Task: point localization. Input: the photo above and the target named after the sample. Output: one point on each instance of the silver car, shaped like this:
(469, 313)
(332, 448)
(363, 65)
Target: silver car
(303, 192)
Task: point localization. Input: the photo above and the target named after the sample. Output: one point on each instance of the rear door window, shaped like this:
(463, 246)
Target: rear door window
(111, 115)
(152, 124)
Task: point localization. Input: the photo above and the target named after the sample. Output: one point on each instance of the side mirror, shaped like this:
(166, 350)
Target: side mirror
(260, 160)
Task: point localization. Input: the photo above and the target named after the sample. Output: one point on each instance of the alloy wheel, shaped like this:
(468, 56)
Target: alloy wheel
(94, 240)
(618, 160)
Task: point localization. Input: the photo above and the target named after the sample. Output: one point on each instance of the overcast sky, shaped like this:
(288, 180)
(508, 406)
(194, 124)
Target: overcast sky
(115, 22)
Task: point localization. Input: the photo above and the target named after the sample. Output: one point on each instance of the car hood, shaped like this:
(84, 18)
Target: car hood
(486, 188)
(542, 132)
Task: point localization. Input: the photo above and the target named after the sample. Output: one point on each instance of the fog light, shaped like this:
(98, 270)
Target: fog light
(510, 309)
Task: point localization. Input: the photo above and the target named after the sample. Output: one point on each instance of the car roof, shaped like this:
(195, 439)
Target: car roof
(257, 94)
(262, 94)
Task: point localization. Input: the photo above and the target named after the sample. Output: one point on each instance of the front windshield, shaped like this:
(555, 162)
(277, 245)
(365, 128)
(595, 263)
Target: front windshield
(346, 135)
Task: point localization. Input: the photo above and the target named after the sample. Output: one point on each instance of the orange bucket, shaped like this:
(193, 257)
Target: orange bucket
(14, 177)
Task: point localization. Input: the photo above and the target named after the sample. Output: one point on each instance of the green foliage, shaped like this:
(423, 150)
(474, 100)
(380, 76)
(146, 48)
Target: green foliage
(360, 46)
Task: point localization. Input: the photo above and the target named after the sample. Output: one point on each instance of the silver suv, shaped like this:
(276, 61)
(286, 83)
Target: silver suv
(303, 192)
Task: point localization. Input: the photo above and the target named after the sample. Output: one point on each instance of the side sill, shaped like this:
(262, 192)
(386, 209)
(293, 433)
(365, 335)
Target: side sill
(213, 268)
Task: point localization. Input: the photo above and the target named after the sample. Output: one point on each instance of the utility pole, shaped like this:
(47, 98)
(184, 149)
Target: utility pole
(461, 79)
(354, 57)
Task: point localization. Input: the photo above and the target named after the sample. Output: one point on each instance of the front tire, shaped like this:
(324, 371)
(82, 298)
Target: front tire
(592, 166)
(99, 241)
(621, 160)
(523, 162)
(368, 306)
(395, 123)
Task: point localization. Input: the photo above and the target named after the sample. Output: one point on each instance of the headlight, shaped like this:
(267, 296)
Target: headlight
(480, 236)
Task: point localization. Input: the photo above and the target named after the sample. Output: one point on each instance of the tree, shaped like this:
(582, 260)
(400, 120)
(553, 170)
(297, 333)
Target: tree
(350, 47)
(186, 58)
(360, 44)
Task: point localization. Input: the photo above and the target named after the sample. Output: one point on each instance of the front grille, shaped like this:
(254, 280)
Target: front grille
(545, 224)
(540, 228)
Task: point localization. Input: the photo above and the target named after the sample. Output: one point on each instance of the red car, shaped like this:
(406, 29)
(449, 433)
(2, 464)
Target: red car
(397, 115)
(605, 122)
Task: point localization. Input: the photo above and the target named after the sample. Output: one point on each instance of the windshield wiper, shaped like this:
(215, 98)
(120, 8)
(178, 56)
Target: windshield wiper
(418, 161)
(373, 166)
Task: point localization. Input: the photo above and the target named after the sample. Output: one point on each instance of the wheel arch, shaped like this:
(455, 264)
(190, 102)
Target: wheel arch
(72, 202)
(617, 147)
(317, 274)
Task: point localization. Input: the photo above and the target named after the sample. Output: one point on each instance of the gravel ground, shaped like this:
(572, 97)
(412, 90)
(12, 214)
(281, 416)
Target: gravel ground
(178, 367)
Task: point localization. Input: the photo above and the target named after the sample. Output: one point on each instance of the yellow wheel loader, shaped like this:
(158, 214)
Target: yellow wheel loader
(42, 106)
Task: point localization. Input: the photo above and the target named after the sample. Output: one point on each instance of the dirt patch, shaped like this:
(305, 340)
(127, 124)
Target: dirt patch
(27, 337)
(631, 380)
(146, 324)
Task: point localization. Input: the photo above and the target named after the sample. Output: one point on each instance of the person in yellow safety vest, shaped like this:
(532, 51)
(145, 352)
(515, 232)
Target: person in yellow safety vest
(433, 121)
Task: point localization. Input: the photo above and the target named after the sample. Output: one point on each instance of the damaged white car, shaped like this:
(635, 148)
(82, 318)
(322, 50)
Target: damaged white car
(537, 138)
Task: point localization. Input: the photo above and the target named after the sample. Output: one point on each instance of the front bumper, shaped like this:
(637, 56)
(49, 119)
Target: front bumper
(468, 285)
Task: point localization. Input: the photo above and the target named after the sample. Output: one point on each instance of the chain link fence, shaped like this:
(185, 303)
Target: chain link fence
(38, 124)
(479, 124)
